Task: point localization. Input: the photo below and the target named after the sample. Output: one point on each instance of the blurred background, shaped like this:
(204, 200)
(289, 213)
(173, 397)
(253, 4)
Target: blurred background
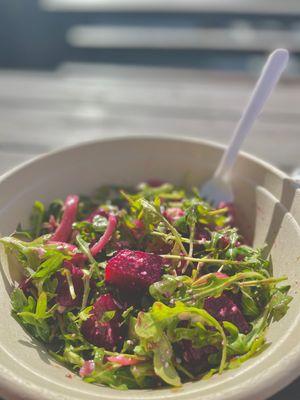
(74, 70)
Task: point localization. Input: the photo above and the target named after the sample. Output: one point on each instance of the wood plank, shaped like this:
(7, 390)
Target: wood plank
(288, 7)
(38, 114)
(52, 131)
(182, 38)
(202, 96)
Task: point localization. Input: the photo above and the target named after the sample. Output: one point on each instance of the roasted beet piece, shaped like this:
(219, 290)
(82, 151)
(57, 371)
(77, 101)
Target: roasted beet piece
(158, 246)
(104, 334)
(193, 358)
(63, 292)
(154, 182)
(222, 308)
(133, 270)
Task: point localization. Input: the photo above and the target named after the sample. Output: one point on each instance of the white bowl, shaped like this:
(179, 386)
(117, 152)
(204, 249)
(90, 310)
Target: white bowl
(268, 205)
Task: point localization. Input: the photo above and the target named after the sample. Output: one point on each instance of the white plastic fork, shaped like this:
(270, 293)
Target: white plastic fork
(218, 188)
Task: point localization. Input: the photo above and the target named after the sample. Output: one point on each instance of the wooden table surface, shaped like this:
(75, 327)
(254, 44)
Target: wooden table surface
(43, 111)
(40, 112)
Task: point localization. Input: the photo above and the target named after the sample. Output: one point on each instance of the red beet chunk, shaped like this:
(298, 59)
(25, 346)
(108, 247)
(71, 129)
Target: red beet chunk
(104, 303)
(104, 334)
(222, 308)
(154, 182)
(193, 358)
(133, 270)
(63, 292)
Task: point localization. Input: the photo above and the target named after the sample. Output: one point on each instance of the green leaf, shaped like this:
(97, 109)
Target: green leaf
(257, 345)
(25, 252)
(41, 306)
(249, 305)
(55, 209)
(50, 286)
(142, 372)
(145, 326)
(241, 343)
(99, 223)
(72, 358)
(85, 248)
(152, 216)
(113, 375)
(279, 304)
(162, 362)
(90, 231)
(166, 287)
(126, 314)
(49, 266)
(160, 312)
(18, 300)
(107, 316)
(35, 317)
(156, 340)
(36, 218)
(85, 314)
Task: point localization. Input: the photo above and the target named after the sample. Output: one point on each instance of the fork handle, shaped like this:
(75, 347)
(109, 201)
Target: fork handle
(271, 72)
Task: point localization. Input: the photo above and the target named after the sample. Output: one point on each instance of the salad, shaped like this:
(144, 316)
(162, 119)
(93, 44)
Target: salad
(143, 287)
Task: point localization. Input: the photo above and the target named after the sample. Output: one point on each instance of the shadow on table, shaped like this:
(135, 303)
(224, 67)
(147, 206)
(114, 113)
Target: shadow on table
(291, 392)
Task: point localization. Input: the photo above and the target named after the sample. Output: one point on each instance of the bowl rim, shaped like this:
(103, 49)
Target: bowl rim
(281, 374)
(146, 137)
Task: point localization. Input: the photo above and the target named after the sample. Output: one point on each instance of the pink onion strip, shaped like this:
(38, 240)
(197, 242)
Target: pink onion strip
(87, 368)
(64, 229)
(122, 360)
(105, 238)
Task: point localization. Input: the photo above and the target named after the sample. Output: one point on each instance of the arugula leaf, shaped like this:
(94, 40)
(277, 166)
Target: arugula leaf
(18, 300)
(85, 314)
(279, 304)
(84, 247)
(143, 373)
(165, 189)
(107, 316)
(41, 306)
(151, 217)
(145, 326)
(34, 316)
(36, 218)
(71, 357)
(164, 289)
(55, 209)
(162, 361)
(49, 266)
(90, 231)
(156, 340)
(239, 343)
(162, 313)
(249, 305)
(26, 252)
(113, 375)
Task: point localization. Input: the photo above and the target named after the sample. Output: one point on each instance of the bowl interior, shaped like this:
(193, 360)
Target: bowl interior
(268, 207)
